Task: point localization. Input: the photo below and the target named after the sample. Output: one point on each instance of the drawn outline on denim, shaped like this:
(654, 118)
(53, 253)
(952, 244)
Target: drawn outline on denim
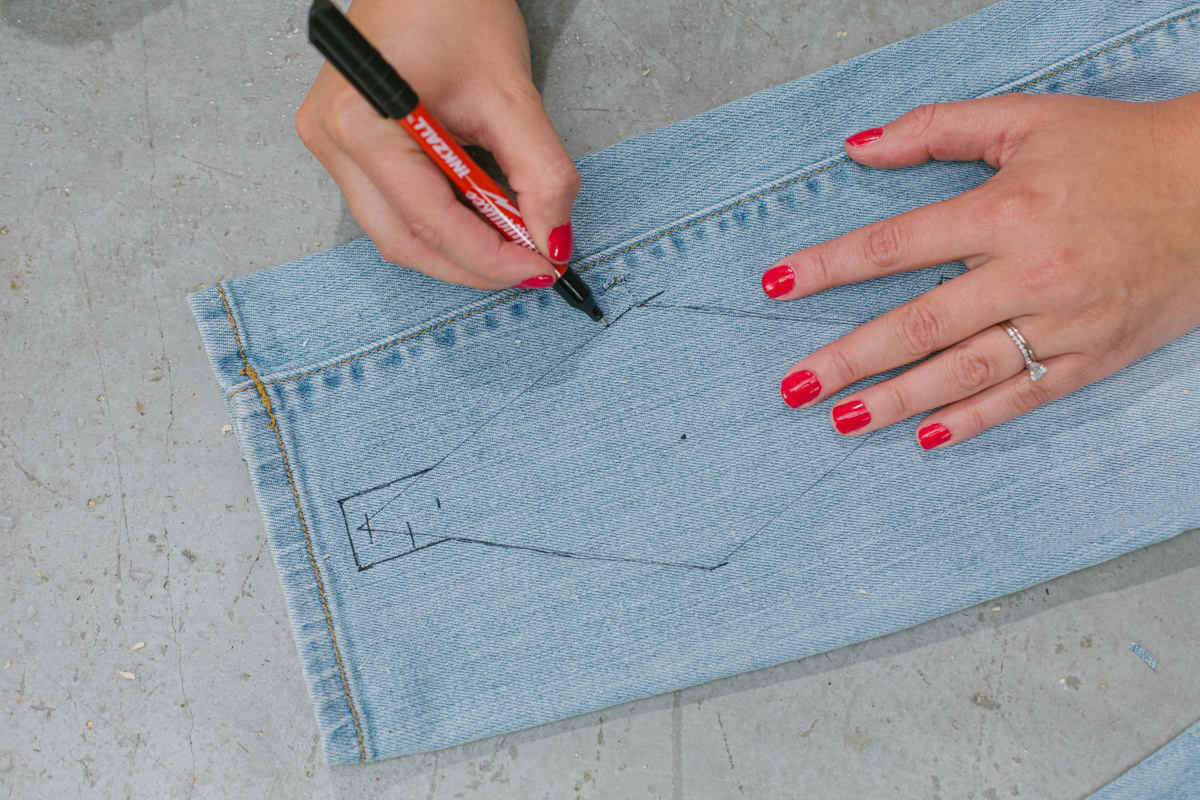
(365, 526)
(361, 508)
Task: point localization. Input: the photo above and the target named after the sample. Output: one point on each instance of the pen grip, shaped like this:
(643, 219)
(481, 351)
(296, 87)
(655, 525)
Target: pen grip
(488, 198)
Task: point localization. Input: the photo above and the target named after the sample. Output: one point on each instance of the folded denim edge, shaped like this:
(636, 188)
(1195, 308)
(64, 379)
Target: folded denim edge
(262, 447)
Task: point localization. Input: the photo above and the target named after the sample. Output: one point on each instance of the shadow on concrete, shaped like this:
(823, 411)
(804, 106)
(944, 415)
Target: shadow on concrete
(545, 20)
(79, 22)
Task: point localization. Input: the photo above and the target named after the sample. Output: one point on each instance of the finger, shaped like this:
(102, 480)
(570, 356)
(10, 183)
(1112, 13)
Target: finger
(421, 195)
(932, 234)
(392, 236)
(537, 166)
(960, 371)
(943, 316)
(1009, 399)
(985, 129)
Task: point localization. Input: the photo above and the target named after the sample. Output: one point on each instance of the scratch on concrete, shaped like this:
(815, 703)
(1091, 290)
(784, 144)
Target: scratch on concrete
(635, 48)
(242, 589)
(754, 22)
(677, 745)
(725, 739)
(29, 475)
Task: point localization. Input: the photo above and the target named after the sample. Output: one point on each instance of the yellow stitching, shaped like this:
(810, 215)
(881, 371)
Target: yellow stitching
(1108, 49)
(684, 226)
(248, 371)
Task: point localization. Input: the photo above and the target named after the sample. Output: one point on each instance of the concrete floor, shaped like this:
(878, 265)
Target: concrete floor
(146, 147)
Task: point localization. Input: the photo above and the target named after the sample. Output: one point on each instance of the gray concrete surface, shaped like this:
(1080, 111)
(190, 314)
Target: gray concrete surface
(147, 147)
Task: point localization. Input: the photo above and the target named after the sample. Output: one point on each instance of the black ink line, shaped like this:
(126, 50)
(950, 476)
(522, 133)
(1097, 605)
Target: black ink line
(740, 314)
(383, 485)
(646, 303)
(398, 555)
(551, 552)
(412, 539)
(353, 550)
(417, 475)
(793, 502)
(367, 523)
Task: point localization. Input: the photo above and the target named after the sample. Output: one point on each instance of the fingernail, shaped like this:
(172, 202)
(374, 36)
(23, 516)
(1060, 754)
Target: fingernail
(932, 435)
(778, 280)
(537, 282)
(559, 243)
(799, 388)
(864, 137)
(849, 417)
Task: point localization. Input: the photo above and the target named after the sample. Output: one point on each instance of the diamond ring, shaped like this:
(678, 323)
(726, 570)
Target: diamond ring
(1036, 368)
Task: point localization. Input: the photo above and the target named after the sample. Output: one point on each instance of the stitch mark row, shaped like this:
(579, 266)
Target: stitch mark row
(684, 226)
(585, 268)
(287, 468)
(1108, 49)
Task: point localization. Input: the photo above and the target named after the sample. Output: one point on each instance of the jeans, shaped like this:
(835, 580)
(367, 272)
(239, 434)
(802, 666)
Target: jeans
(488, 512)
(1171, 773)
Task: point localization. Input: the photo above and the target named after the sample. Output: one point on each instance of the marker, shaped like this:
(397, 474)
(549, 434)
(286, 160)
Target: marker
(362, 65)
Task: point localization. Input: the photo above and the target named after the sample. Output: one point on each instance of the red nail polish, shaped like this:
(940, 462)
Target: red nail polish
(559, 243)
(849, 417)
(864, 137)
(537, 282)
(932, 435)
(778, 280)
(799, 388)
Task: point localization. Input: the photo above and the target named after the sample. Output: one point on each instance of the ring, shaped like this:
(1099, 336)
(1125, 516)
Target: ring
(1036, 368)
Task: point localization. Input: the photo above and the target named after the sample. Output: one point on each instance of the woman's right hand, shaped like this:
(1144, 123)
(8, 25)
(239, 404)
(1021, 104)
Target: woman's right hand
(468, 60)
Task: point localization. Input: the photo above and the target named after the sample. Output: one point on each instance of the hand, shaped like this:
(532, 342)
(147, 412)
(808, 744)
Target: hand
(468, 60)
(1087, 239)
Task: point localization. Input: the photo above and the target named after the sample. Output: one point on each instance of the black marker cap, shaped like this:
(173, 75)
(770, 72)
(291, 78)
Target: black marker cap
(358, 61)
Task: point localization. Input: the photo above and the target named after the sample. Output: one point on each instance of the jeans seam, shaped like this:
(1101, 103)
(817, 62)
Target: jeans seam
(703, 217)
(602, 260)
(273, 424)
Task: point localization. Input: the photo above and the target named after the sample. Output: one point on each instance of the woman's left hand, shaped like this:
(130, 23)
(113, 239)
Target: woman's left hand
(1087, 239)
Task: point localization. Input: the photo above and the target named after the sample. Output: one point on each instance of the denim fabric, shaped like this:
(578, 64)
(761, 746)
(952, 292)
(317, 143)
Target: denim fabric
(1171, 773)
(488, 512)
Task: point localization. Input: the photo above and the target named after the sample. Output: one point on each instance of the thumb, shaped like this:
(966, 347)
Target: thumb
(987, 129)
(538, 168)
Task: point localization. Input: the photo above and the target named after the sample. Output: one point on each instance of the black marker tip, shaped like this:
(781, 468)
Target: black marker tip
(577, 294)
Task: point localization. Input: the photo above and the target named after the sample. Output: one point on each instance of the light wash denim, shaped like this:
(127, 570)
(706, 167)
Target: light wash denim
(1172, 773)
(489, 512)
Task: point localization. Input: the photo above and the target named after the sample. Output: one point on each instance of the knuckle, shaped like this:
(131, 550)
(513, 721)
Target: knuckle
(817, 266)
(974, 419)
(339, 121)
(395, 252)
(1046, 276)
(427, 232)
(512, 94)
(921, 118)
(1027, 395)
(308, 127)
(884, 244)
(843, 366)
(1017, 206)
(561, 175)
(895, 398)
(918, 328)
(971, 370)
